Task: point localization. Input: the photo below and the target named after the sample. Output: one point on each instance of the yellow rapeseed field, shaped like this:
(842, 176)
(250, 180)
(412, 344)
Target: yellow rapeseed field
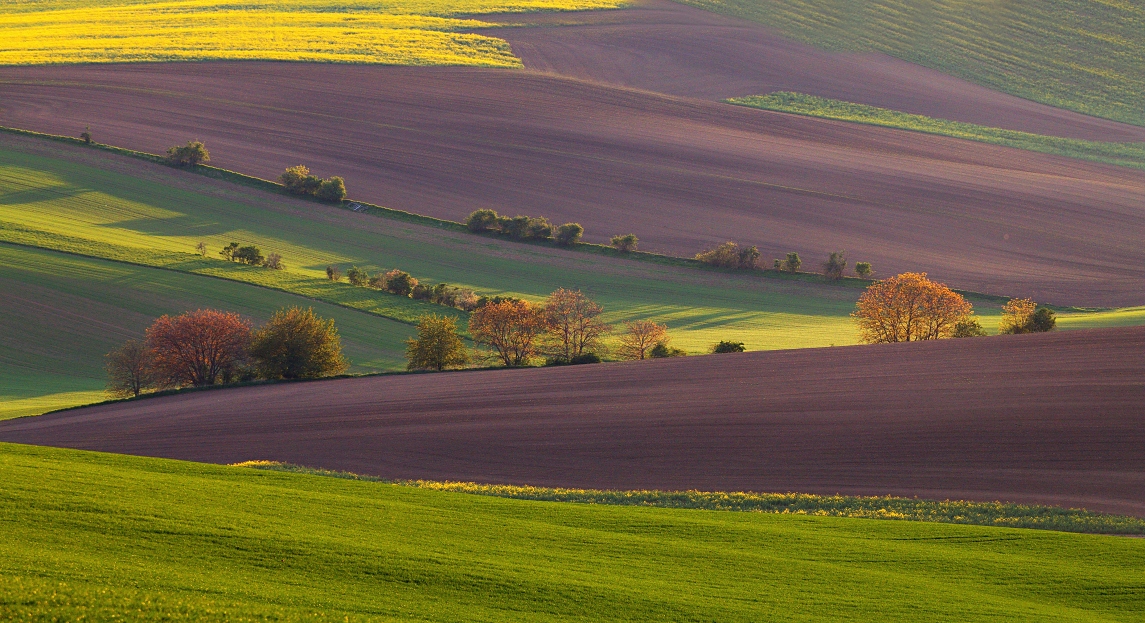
(394, 32)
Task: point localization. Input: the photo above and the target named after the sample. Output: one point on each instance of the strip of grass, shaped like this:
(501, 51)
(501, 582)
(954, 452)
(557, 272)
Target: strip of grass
(1123, 154)
(401, 32)
(888, 507)
(1076, 54)
(59, 314)
(97, 536)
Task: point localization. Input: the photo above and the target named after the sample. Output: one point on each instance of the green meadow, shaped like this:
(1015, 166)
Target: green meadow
(104, 537)
(1082, 55)
(61, 313)
(1123, 154)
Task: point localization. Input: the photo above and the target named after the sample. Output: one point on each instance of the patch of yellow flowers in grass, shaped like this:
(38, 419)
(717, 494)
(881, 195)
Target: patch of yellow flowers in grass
(398, 32)
(909, 509)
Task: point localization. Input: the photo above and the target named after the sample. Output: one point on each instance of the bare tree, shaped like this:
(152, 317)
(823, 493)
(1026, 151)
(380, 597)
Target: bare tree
(574, 323)
(130, 369)
(640, 337)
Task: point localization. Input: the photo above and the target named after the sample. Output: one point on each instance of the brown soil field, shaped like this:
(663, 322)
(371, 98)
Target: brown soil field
(662, 46)
(1053, 418)
(681, 173)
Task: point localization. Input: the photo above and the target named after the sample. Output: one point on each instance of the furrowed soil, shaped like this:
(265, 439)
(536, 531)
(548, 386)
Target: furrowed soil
(1049, 419)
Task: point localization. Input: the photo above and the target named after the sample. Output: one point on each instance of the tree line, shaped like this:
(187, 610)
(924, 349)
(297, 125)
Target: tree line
(207, 347)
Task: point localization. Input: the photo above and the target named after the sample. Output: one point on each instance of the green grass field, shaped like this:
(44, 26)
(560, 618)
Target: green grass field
(1083, 55)
(397, 32)
(61, 313)
(110, 537)
(1123, 154)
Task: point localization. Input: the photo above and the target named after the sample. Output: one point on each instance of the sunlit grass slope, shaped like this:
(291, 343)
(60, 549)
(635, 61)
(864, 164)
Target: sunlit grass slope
(1084, 55)
(59, 315)
(1124, 154)
(401, 32)
(96, 535)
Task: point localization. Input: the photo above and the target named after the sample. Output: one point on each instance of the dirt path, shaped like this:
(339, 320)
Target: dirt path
(1053, 419)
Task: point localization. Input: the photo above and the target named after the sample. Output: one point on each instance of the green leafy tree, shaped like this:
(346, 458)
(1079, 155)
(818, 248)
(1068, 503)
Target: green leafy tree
(1042, 321)
(481, 220)
(249, 255)
(192, 154)
(728, 347)
(357, 276)
(968, 327)
(864, 270)
(792, 263)
(297, 344)
(399, 282)
(333, 274)
(835, 265)
(568, 234)
(437, 345)
(663, 350)
(332, 190)
(228, 251)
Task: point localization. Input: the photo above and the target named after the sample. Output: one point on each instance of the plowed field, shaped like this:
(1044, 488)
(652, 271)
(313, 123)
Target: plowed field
(1052, 418)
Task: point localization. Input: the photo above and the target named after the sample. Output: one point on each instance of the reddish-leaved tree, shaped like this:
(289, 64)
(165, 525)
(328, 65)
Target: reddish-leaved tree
(199, 347)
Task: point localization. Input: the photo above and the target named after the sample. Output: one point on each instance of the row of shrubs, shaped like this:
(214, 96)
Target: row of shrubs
(401, 283)
(249, 255)
(538, 228)
(297, 180)
(731, 255)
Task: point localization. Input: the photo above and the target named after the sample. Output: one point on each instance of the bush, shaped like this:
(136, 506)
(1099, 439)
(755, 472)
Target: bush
(569, 234)
(728, 347)
(792, 263)
(332, 190)
(249, 255)
(749, 258)
(192, 154)
(481, 220)
(85, 136)
(297, 344)
(662, 350)
(333, 274)
(274, 261)
(968, 327)
(863, 269)
(575, 361)
(1042, 321)
(357, 276)
(626, 243)
(730, 255)
(399, 282)
(835, 265)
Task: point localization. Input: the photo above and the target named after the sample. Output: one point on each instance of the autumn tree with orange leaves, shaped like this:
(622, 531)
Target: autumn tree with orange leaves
(640, 337)
(199, 347)
(510, 328)
(908, 308)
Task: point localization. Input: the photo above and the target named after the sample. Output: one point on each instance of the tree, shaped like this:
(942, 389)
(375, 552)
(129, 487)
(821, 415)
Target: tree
(864, 270)
(481, 220)
(297, 344)
(129, 369)
(251, 255)
(201, 249)
(1016, 316)
(437, 345)
(299, 181)
(399, 282)
(574, 323)
(332, 190)
(968, 327)
(192, 154)
(1043, 320)
(835, 265)
(332, 273)
(357, 277)
(228, 251)
(792, 263)
(538, 228)
(908, 307)
(85, 136)
(510, 328)
(641, 336)
(626, 243)
(198, 347)
(749, 258)
(728, 347)
(569, 234)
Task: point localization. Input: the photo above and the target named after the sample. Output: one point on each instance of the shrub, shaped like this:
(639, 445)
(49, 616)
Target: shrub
(85, 136)
(130, 369)
(539, 228)
(749, 258)
(332, 190)
(332, 273)
(968, 327)
(399, 282)
(835, 265)
(792, 263)
(249, 255)
(297, 344)
(274, 261)
(299, 181)
(198, 348)
(437, 345)
(569, 234)
(725, 255)
(640, 337)
(662, 350)
(863, 269)
(1042, 321)
(192, 154)
(357, 277)
(481, 220)
(728, 347)
(228, 252)
(778, 265)
(626, 243)
(514, 227)
(908, 307)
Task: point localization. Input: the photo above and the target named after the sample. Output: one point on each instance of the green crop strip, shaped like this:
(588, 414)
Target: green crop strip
(90, 536)
(1122, 154)
(886, 507)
